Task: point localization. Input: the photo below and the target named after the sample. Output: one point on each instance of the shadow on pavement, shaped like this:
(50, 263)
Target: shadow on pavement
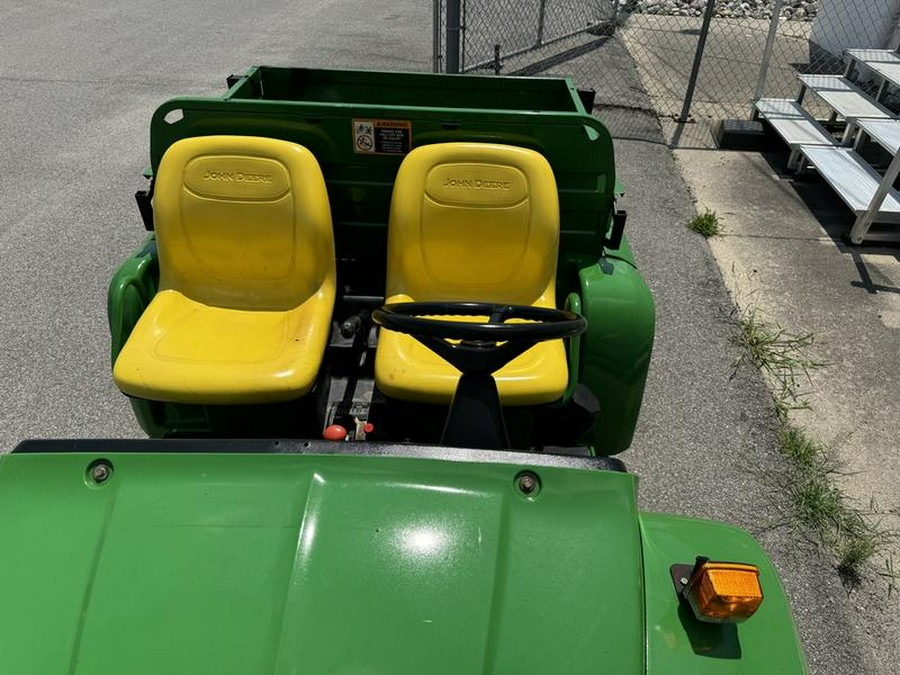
(835, 220)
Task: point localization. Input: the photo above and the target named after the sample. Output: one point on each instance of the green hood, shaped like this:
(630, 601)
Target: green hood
(244, 563)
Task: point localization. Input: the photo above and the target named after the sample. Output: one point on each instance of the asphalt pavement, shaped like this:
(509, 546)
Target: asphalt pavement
(82, 79)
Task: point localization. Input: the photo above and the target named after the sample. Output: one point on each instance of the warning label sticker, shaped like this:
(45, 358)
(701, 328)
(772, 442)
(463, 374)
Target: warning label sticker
(384, 137)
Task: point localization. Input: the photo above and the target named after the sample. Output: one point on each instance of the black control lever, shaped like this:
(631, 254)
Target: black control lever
(353, 324)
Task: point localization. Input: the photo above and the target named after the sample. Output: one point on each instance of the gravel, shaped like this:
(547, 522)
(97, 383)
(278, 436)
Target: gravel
(794, 10)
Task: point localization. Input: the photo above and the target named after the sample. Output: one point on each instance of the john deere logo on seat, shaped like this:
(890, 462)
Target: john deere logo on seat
(476, 184)
(238, 177)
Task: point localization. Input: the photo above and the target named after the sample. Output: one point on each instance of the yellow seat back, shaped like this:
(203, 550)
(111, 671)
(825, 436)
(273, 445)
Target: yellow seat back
(242, 222)
(474, 221)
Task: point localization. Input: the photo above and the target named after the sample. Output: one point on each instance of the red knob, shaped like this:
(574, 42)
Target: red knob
(335, 432)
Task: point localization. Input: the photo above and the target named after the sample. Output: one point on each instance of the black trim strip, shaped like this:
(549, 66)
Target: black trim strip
(315, 447)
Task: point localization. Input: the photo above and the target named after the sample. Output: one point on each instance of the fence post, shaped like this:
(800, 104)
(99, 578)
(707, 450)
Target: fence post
(436, 36)
(542, 10)
(698, 57)
(453, 35)
(767, 56)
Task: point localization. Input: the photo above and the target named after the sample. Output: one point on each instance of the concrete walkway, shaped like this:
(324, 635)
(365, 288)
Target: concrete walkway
(781, 252)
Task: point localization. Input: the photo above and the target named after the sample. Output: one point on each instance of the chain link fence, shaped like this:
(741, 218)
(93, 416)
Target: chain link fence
(534, 27)
(640, 54)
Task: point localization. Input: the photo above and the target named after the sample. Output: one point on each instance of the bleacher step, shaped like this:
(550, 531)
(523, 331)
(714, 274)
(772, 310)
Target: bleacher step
(844, 97)
(792, 122)
(852, 179)
(873, 55)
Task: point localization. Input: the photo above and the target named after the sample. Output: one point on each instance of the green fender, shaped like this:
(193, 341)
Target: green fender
(130, 291)
(676, 642)
(615, 350)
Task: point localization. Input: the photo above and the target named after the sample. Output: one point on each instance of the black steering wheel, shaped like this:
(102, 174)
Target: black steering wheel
(478, 350)
(482, 346)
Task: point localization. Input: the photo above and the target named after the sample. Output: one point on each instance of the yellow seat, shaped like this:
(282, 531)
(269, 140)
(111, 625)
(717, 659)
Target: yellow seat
(247, 276)
(472, 222)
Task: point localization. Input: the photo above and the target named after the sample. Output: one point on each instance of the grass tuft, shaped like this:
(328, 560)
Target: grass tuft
(780, 355)
(811, 481)
(797, 446)
(706, 224)
(819, 504)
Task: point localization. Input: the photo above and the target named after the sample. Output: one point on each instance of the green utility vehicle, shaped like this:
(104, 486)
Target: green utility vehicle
(387, 336)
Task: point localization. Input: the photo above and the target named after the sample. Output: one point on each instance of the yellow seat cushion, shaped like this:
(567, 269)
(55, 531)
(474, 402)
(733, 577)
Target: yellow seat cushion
(247, 276)
(472, 222)
(218, 355)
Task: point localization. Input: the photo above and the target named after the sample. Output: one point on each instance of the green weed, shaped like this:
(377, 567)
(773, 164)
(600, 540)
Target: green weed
(706, 224)
(816, 500)
(780, 355)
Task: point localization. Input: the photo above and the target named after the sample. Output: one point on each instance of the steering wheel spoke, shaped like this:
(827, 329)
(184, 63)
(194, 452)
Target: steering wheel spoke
(476, 355)
(500, 314)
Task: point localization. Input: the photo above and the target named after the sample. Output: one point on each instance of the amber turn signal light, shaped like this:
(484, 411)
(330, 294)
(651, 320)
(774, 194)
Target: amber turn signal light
(720, 592)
